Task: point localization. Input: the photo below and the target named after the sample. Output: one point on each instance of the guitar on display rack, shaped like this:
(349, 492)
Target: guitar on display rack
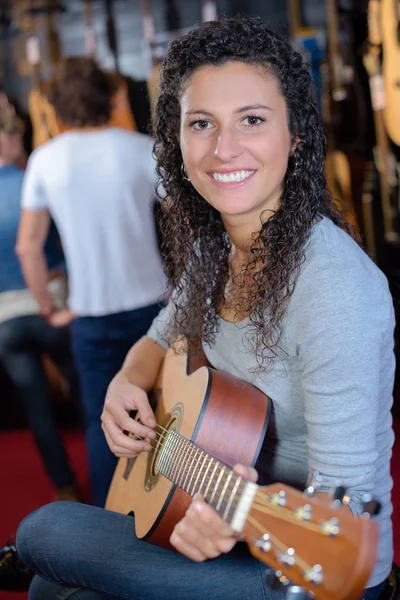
(203, 427)
(384, 158)
(390, 19)
(41, 112)
(337, 167)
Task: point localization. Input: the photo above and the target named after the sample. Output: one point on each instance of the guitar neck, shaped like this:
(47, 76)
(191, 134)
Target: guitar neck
(197, 472)
(372, 63)
(338, 92)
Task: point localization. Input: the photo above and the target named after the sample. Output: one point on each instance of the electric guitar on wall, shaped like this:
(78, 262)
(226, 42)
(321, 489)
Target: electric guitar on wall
(390, 20)
(208, 420)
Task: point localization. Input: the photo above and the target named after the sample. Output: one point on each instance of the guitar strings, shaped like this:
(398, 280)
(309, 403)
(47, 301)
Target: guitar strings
(183, 471)
(261, 502)
(278, 544)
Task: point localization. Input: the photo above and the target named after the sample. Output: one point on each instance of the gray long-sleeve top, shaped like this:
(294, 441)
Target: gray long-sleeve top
(332, 384)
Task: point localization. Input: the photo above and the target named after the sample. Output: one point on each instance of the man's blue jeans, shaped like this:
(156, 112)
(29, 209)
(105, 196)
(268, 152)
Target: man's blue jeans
(99, 345)
(85, 546)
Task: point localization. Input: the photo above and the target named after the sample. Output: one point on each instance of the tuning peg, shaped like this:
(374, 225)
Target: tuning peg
(295, 592)
(275, 580)
(371, 507)
(313, 483)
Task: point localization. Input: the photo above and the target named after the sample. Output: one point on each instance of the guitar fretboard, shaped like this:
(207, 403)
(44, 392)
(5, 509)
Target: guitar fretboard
(196, 472)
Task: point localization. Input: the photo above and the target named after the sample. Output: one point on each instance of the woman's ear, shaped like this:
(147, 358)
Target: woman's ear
(296, 141)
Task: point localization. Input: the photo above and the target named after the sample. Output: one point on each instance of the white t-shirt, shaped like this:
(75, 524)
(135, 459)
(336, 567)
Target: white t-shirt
(98, 186)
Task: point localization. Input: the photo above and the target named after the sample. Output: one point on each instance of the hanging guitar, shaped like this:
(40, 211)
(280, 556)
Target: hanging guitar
(208, 420)
(335, 92)
(384, 158)
(390, 19)
(41, 112)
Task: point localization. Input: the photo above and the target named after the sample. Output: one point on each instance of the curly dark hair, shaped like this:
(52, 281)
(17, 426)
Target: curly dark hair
(81, 93)
(196, 244)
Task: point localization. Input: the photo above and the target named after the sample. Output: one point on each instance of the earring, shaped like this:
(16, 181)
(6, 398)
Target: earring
(183, 171)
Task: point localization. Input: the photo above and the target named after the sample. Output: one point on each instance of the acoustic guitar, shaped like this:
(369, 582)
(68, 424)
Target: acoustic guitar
(384, 158)
(208, 420)
(335, 93)
(44, 122)
(390, 20)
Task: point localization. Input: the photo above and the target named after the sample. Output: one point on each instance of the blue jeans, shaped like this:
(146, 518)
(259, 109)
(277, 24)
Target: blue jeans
(23, 341)
(99, 345)
(74, 546)
(82, 552)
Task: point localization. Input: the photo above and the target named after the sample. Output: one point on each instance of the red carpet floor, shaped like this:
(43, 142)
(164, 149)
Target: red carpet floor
(24, 485)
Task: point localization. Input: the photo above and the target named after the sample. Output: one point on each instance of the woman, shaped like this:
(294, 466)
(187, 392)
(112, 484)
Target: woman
(267, 274)
(24, 335)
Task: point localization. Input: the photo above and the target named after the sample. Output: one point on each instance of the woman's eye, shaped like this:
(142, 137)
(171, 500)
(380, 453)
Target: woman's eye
(252, 121)
(200, 124)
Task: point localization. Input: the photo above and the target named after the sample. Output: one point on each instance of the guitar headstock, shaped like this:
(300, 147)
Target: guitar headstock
(311, 542)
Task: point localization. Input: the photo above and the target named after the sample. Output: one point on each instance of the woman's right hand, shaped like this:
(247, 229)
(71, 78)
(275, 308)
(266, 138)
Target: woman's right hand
(122, 397)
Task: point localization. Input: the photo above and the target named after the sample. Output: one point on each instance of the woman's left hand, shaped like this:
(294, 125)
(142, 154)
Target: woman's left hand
(202, 534)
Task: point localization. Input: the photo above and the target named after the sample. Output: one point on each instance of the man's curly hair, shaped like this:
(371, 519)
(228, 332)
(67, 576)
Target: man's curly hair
(196, 244)
(81, 93)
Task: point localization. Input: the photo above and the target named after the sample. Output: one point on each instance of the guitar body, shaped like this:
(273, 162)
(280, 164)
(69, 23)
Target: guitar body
(391, 66)
(224, 416)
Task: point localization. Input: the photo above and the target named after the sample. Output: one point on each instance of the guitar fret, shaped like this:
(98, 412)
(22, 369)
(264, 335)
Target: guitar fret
(181, 466)
(199, 471)
(211, 478)
(206, 457)
(189, 465)
(223, 491)
(225, 516)
(186, 456)
(217, 484)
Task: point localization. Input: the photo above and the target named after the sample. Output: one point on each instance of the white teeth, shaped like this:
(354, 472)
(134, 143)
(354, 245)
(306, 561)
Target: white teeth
(232, 177)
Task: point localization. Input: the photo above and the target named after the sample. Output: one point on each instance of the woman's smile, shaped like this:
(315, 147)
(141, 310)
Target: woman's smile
(232, 179)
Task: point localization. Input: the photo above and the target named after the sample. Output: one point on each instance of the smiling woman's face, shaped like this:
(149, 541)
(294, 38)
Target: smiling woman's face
(234, 137)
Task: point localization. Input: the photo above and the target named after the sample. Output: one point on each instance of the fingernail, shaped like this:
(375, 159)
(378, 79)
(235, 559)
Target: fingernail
(148, 447)
(151, 422)
(197, 506)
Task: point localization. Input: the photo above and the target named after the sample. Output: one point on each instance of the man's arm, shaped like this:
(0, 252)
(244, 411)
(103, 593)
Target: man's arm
(32, 235)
